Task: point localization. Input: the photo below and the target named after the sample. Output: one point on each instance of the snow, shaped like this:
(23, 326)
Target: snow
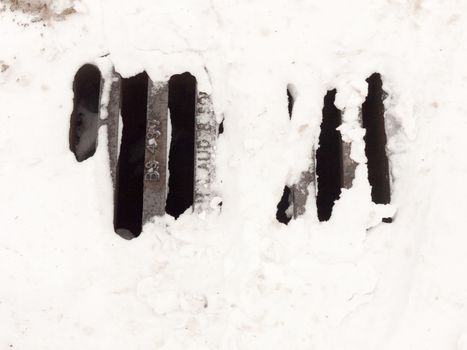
(239, 279)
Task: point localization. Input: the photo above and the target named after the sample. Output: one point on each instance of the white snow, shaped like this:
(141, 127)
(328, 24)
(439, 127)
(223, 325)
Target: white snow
(239, 279)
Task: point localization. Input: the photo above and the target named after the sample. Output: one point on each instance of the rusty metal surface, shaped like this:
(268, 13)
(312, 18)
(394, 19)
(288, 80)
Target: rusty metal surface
(155, 158)
(205, 152)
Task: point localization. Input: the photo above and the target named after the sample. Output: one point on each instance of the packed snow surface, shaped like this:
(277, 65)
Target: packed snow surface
(238, 279)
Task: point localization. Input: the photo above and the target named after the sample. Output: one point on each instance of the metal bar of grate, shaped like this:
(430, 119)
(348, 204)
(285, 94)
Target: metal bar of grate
(300, 191)
(205, 151)
(348, 165)
(155, 159)
(112, 122)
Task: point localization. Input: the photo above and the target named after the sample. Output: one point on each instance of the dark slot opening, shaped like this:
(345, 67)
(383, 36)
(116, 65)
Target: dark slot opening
(282, 214)
(129, 191)
(182, 99)
(329, 159)
(290, 103)
(221, 128)
(375, 142)
(84, 118)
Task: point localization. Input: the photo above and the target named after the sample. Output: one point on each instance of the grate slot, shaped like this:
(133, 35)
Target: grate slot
(84, 118)
(329, 159)
(375, 142)
(129, 188)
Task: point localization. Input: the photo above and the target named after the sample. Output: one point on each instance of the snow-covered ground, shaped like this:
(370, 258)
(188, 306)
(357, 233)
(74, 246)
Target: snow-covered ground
(239, 279)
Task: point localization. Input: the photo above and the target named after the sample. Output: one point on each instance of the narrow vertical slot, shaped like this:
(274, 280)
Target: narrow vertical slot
(283, 213)
(206, 133)
(290, 103)
(182, 99)
(129, 189)
(329, 158)
(375, 142)
(84, 118)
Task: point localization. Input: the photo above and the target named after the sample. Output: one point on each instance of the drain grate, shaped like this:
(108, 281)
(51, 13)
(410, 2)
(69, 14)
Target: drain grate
(332, 168)
(139, 163)
(152, 177)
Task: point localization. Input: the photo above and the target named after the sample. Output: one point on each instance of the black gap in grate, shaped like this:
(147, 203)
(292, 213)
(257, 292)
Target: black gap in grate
(221, 127)
(129, 189)
(182, 100)
(375, 142)
(290, 103)
(283, 215)
(84, 118)
(329, 159)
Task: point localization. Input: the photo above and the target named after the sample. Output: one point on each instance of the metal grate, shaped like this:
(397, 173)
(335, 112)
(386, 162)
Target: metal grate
(332, 168)
(195, 131)
(155, 142)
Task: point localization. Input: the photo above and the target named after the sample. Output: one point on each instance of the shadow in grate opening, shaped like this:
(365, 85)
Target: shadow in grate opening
(85, 115)
(129, 188)
(283, 213)
(375, 142)
(182, 100)
(329, 159)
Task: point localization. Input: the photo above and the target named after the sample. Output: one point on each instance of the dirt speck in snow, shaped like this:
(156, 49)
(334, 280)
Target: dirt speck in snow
(3, 67)
(42, 10)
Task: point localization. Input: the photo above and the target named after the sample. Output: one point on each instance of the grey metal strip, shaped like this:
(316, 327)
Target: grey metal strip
(300, 191)
(112, 122)
(155, 158)
(348, 165)
(205, 152)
